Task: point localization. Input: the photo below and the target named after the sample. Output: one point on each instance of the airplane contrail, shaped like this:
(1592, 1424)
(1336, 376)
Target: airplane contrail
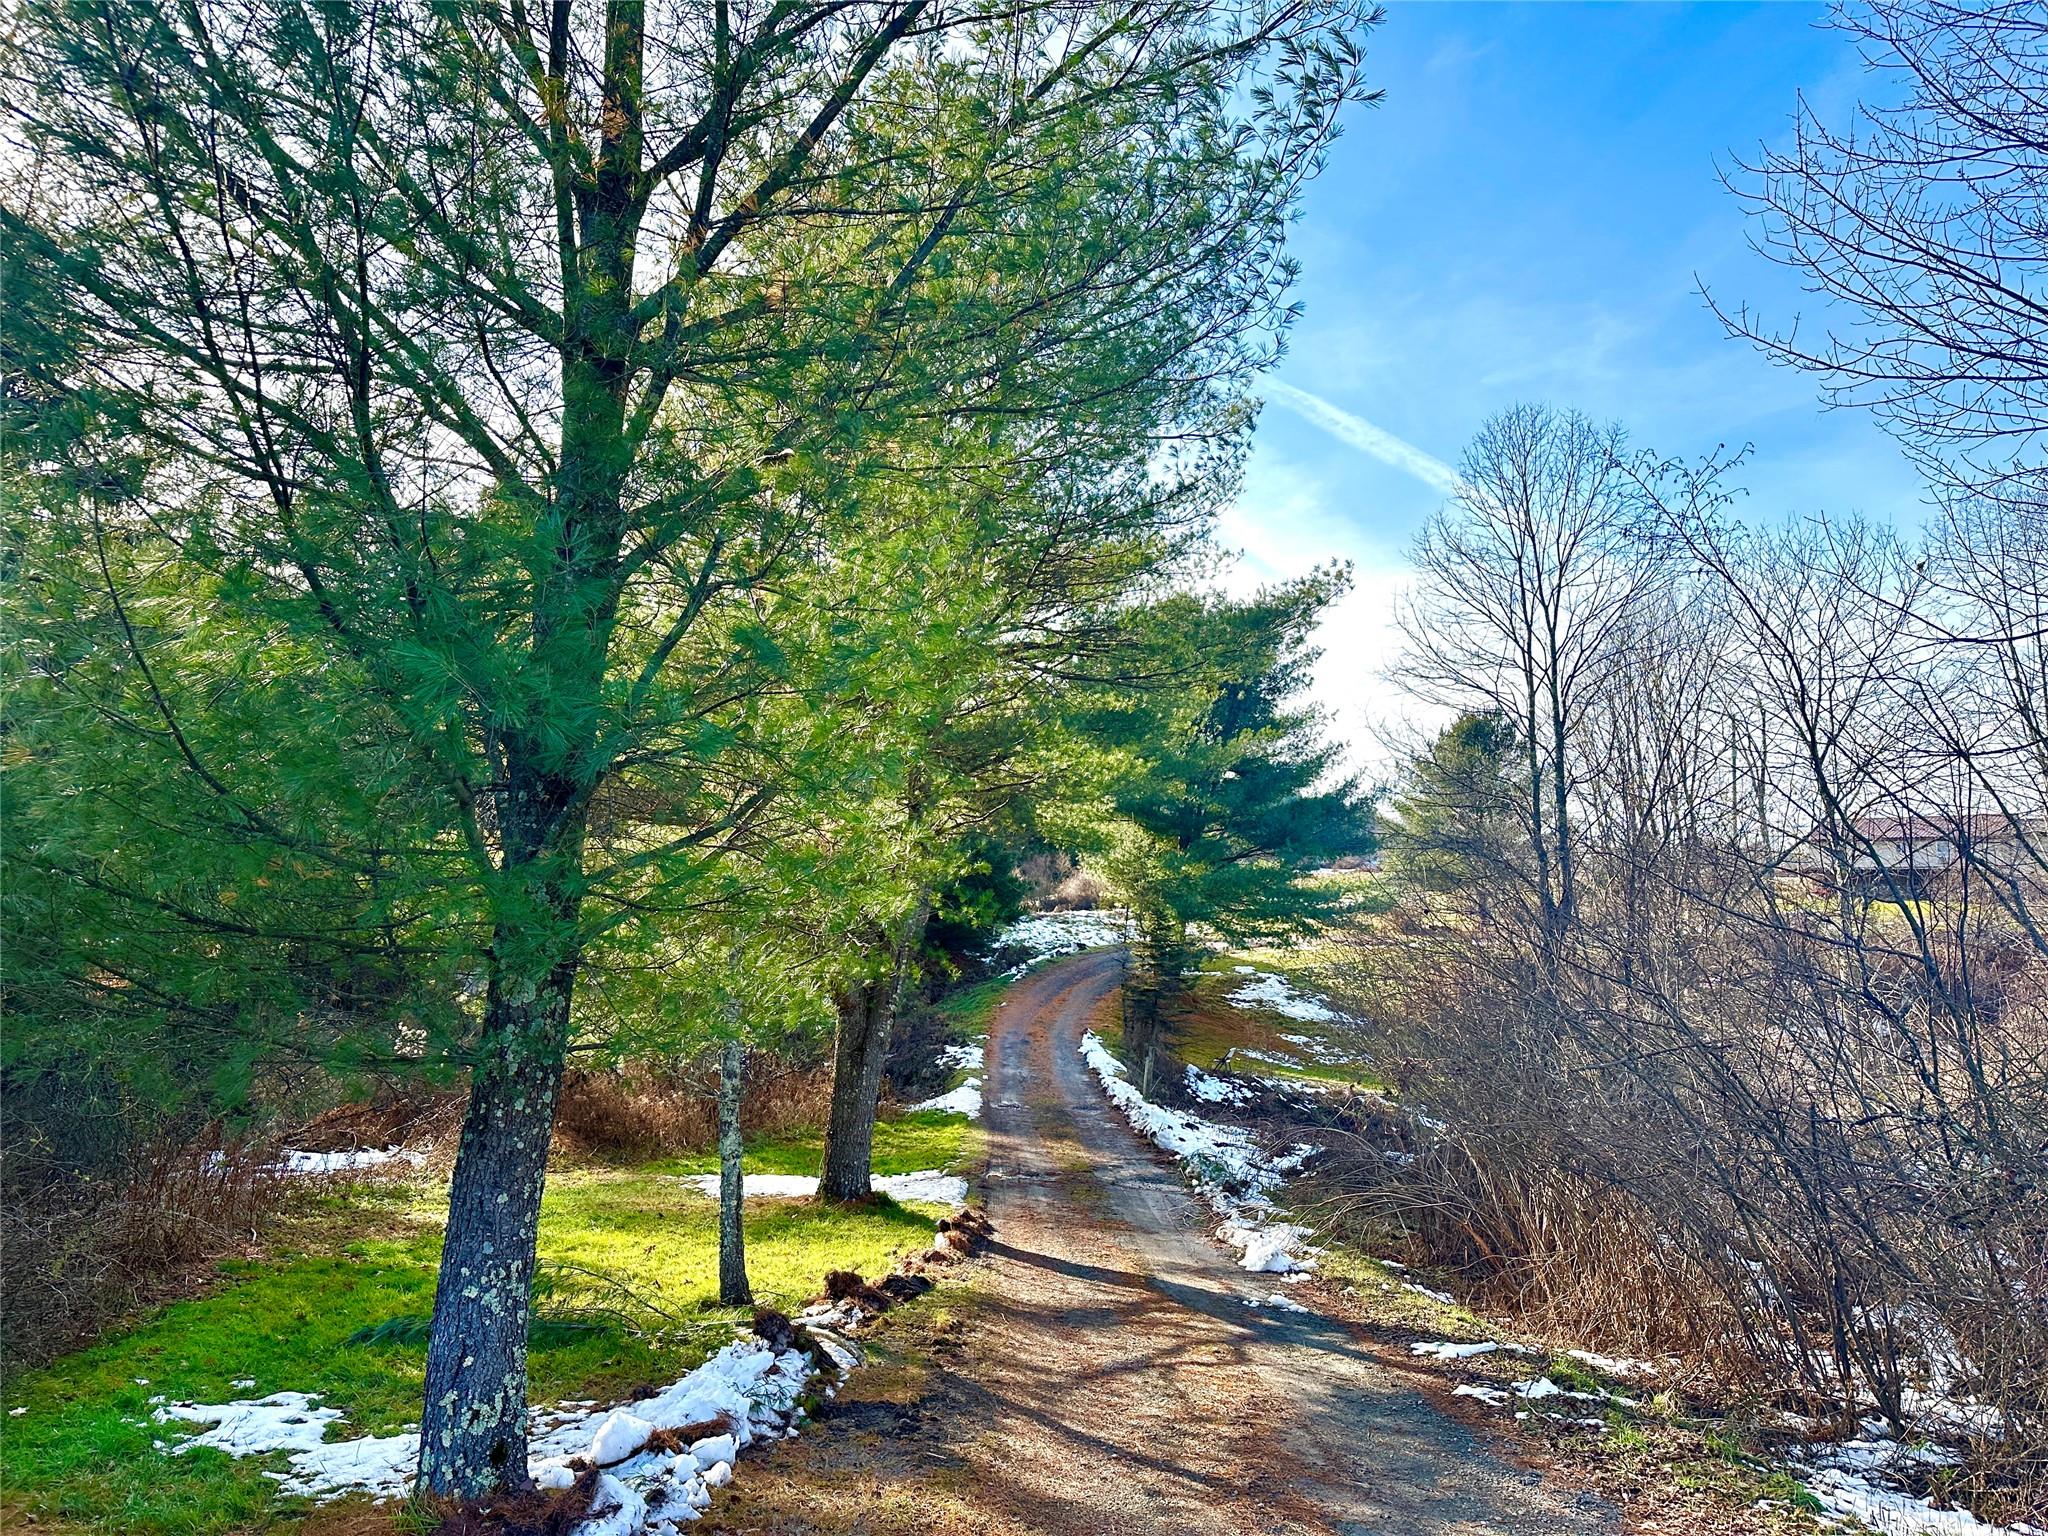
(1364, 436)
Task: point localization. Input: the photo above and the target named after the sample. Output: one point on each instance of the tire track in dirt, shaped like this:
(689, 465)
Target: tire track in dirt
(1112, 1376)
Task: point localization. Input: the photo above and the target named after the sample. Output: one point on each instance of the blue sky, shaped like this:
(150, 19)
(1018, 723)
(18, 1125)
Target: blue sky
(1530, 215)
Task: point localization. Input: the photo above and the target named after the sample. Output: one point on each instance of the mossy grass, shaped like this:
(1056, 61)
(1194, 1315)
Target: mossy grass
(629, 1256)
(1391, 1297)
(969, 1009)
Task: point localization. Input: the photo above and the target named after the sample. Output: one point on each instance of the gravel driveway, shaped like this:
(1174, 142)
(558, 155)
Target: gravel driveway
(1118, 1373)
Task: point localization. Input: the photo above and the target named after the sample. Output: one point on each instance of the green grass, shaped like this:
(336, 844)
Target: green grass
(909, 1143)
(1108, 1027)
(1573, 1375)
(1623, 1435)
(970, 1009)
(1386, 1294)
(82, 1454)
(906, 1143)
(1787, 1489)
(630, 1269)
(1363, 890)
(651, 1234)
(1213, 1033)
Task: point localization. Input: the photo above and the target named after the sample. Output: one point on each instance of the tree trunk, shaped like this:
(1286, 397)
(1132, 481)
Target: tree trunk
(1141, 1037)
(1148, 1005)
(1545, 902)
(733, 1290)
(1560, 790)
(860, 1052)
(473, 1424)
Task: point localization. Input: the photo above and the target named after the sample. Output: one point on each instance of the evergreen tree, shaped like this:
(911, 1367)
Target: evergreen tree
(985, 895)
(1455, 817)
(499, 368)
(1218, 794)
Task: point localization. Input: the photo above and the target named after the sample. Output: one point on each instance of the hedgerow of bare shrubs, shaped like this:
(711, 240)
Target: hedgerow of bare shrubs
(109, 1202)
(81, 1251)
(648, 1109)
(1718, 957)
(1737, 1160)
(1792, 1163)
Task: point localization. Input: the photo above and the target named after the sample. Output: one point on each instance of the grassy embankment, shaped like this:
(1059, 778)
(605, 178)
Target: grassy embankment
(1216, 1034)
(628, 1297)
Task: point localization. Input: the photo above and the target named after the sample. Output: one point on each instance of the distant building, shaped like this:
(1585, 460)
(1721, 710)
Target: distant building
(1918, 853)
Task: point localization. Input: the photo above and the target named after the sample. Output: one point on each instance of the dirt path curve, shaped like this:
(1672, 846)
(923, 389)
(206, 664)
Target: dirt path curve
(1122, 1375)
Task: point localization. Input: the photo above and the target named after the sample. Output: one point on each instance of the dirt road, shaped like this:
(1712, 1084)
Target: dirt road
(1118, 1373)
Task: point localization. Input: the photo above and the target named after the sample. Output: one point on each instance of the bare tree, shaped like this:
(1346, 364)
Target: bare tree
(1785, 1066)
(1922, 217)
(1527, 581)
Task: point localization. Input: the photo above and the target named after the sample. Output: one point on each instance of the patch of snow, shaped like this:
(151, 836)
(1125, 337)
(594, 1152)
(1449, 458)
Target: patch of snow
(1446, 1350)
(928, 1185)
(1489, 1395)
(297, 1162)
(1215, 1090)
(752, 1387)
(1612, 1365)
(843, 1355)
(710, 1452)
(964, 1100)
(1936, 1409)
(1217, 1154)
(616, 1509)
(283, 1421)
(1856, 1479)
(1443, 1298)
(1899, 1514)
(379, 1465)
(619, 1436)
(1046, 934)
(1272, 993)
(1536, 1391)
(1269, 1247)
(1279, 1301)
(1228, 1168)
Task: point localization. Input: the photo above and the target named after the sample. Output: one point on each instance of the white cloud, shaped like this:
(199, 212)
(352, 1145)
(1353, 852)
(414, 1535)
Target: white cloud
(1285, 522)
(1364, 436)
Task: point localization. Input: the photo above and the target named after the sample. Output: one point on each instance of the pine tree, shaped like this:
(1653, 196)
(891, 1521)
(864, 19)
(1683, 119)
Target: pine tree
(497, 367)
(1455, 817)
(1218, 792)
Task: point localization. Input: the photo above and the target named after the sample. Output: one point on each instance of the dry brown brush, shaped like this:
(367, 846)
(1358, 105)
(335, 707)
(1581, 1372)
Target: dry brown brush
(1718, 976)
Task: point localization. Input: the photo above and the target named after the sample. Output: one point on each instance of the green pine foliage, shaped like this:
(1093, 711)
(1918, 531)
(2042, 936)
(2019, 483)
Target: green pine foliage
(1218, 792)
(535, 533)
(1453, 819)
